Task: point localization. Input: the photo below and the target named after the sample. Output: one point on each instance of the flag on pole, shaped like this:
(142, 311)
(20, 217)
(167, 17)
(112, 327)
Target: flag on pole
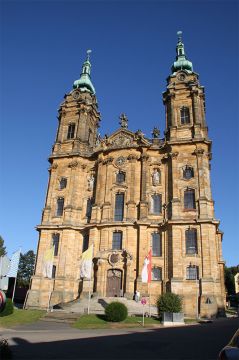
(48, 262)
(86, 263)
(14, 264)
(147, 268)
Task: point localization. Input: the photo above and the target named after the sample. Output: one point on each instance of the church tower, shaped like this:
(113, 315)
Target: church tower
(130, 196)
(195, 267)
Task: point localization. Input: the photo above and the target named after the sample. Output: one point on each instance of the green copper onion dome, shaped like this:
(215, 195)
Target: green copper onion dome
(181, 62)
(84, 83)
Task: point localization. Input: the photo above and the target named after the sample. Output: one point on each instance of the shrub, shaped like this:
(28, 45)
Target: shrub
(169, 302)
(8, 310)
(116, 311)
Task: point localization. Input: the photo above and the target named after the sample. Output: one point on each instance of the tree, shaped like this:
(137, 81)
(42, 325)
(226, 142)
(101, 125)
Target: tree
(26, 268)
(2, 247)
(229, 273)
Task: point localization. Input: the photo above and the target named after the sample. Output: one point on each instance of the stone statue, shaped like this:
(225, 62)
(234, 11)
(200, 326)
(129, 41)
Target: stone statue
(91, 181)
(98, 140)
(156, 177)
(155, 133)
(123, 121)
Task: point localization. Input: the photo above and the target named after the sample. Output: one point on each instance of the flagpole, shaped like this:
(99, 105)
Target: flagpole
(15, 282)
(14, 288)
(89, 295)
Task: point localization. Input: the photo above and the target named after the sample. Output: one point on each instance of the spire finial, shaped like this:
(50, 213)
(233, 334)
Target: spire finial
(88, 54)
(179, 33)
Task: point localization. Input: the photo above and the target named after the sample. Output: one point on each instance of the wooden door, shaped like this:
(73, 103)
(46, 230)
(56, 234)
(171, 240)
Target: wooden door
(114, 281)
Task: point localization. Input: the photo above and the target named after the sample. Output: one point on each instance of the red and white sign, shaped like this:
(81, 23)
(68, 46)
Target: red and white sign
(143, 301)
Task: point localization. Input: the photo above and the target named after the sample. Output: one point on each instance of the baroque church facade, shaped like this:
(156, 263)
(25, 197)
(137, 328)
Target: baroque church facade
(127, 194)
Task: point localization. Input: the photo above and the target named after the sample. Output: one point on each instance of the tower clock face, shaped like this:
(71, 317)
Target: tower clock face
(76, 95)
(181, 76)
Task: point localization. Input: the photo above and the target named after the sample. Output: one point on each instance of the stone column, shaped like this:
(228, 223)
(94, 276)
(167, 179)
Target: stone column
(131, 213)
(175, 206)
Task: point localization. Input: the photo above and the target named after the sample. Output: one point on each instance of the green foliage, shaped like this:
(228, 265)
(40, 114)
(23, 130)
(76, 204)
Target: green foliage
(229, 273)
(26, 268)
(116, 311)
(2, 247)
(169, 302)
(9, 309)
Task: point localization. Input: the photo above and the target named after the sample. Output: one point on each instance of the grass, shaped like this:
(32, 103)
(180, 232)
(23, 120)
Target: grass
(20, 317)
(100, 322)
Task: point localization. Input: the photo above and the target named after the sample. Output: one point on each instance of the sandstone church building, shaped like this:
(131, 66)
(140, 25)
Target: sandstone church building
(126, 194)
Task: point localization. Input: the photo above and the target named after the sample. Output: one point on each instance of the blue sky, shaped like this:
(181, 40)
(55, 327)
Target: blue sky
(43, 45)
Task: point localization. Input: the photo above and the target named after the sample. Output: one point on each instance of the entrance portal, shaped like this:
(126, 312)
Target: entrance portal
(114, 283)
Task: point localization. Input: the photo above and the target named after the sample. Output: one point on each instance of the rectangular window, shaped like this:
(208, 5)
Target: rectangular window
(60, 207)
(156, 274)
(192, 272)
(120, 177)
(85, 242)
(71, 131)
(185, 116)
(156, 207)
(191, 241)
(117, 240)
(189, 199)
(156, 245)
(53, 272)
(119, 207)
(63, 183)
(55, 243)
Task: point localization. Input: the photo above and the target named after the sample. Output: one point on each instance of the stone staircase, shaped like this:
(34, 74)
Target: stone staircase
(97, 306)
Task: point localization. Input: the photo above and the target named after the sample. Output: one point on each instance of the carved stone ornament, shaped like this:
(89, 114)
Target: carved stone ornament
(122, 140)
(73, 164)
(53, 167)
(120, 161)
(199, 152)
(114, 258)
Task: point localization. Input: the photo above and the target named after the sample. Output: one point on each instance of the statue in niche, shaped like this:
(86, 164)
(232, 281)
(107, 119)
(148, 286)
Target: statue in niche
(91, 181)
(98, 140)
(156, 177)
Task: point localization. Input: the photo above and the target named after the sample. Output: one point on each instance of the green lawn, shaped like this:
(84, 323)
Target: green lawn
(20, 317)
(99, 322)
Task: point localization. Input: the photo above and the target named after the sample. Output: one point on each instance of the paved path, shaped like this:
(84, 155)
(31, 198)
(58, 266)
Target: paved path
(50, 340)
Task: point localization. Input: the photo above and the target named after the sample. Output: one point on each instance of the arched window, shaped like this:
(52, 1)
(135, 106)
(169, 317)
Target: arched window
(156, 274)
(189, 199)
(191, 241)
(85, 243)
(117, 240)
(156, 244)
(192, 272)
(119, 207)
(156, 204)
(184, 115)
(63, 183)
(120, 177)
(60, 207)
(188, 172)
(71, 131)
(55, 243)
